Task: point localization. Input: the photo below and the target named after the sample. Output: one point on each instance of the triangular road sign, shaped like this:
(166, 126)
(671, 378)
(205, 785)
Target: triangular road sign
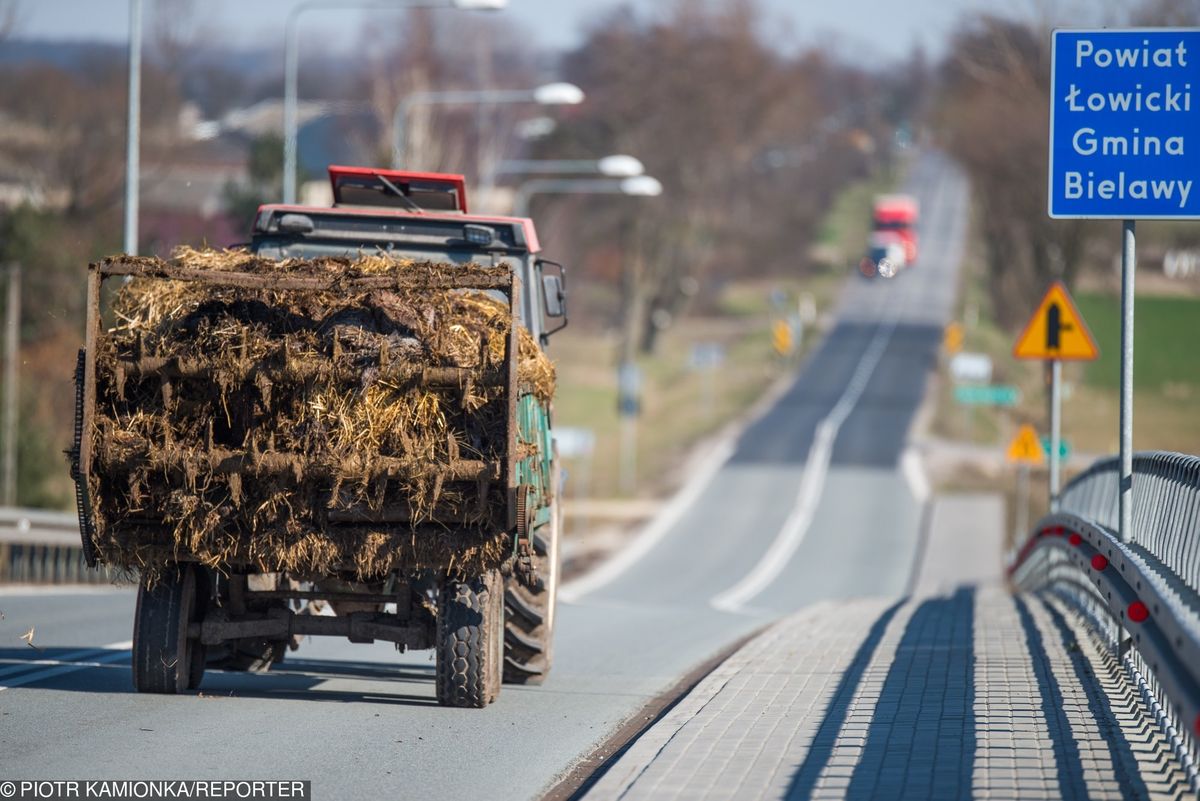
(1026, 447)
(1056, 330)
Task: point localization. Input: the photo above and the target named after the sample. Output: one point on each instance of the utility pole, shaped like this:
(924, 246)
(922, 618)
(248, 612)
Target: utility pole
(12, 332)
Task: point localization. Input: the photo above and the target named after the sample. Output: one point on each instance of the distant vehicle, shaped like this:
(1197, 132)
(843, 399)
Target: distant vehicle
(886, 255)
(897, 215)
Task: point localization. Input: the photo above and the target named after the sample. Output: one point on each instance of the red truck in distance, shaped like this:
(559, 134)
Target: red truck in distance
(894, 229)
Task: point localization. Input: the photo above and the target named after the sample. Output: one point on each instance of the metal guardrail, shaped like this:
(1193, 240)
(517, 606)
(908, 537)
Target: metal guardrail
(1141, 598)
(40, 547)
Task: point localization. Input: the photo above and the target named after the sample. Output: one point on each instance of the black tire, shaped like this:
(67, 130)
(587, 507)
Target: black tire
(199, 653)
(529, 611)
(162, 651)
(470, 641)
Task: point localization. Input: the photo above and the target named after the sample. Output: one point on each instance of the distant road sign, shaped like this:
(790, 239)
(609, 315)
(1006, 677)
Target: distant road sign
(1057, 330)
(781, 337)
(573, 442)
(1064, 447)
(1125, 124)
(952, 339)
(1025, 447)
(993, 395)
(975, 367)
(706, 356)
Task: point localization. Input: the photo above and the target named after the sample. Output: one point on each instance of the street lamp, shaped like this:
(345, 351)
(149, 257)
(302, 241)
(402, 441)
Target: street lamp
(551, 94)
(615, 166)
(133, 129)
(634, 186)
(291, 64)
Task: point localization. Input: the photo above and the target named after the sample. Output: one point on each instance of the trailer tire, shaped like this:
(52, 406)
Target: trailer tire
(470, 641)
(529, 611)
(162, 651)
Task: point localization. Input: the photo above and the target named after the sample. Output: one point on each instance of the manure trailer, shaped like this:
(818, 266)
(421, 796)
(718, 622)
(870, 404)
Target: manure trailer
(352, 412)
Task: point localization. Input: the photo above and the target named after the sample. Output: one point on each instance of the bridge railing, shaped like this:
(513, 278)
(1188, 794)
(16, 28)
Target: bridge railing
(41, 547)
(1140, 597)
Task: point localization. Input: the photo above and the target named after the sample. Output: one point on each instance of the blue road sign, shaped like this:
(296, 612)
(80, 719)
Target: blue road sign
(1125, 124)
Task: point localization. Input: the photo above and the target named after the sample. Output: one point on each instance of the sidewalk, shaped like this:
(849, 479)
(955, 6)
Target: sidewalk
(961, 691)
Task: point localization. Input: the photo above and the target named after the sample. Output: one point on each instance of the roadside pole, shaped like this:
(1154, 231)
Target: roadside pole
(1022, 530)
(1128, 272)
(1025, 450)
(629, 406)
(133, 133)
(1055, 430)
(12, 331)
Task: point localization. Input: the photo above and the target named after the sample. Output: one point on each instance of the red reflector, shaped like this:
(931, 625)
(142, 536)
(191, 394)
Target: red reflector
(1075, 539)
(1138, 612)
(1059, 531)
(1197, 726)
(1099, 562)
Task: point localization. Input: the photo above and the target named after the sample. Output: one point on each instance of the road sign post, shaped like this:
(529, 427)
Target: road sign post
(1054, 333)
(1124, 125)
(1025, 450)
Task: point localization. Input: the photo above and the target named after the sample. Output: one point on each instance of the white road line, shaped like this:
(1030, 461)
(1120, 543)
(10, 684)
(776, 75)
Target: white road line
(114, 652)
(812, 483)
(914, 473)
(657, 528)
(67, 657)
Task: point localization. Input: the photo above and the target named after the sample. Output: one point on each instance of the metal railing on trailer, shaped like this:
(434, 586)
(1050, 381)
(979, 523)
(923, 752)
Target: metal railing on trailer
(41, 547)
(1141, 597)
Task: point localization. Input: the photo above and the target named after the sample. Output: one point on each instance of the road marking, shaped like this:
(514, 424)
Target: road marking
(655, 530)
(913, 469)
(113, 652)
(812, 482)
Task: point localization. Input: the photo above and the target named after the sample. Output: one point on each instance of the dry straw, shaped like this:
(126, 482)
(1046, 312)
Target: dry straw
(294, 430)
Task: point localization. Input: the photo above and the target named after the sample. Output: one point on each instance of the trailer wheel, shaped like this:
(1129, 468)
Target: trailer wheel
(529, 611)
(470, 641)
(162, 651)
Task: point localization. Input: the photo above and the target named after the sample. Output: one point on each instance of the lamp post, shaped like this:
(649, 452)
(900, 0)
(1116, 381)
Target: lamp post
(133, 128)
(634, 186)
(551, 94)
(614, 166)
(629, 376)
(291, 64)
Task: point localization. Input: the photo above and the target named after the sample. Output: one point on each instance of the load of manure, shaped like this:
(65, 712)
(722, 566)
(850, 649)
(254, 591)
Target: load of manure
(345, 430)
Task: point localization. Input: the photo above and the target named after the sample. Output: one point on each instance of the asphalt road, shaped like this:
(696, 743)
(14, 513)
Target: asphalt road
(813, 502)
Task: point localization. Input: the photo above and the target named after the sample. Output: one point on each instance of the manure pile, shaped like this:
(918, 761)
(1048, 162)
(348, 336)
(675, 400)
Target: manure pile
(348, 428)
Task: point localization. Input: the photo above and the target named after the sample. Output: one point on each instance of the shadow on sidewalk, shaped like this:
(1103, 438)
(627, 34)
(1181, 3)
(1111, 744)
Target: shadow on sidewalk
(1066, 753)
(839, 705)
(920, 743)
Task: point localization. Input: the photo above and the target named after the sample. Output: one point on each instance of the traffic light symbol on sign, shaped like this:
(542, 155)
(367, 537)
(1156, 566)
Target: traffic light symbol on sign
(1056, 330)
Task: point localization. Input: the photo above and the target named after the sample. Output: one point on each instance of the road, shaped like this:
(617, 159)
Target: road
(813, 502)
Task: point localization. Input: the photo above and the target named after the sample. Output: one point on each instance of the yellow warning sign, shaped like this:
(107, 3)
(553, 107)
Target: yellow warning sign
(781, 337)
(1056, 330)
(952, 341)
(1026, 447)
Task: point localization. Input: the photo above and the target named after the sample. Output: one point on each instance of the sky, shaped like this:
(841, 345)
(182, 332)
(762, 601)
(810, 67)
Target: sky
(884, 29)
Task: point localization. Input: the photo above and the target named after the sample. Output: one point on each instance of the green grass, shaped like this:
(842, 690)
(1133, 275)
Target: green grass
(1166, 342)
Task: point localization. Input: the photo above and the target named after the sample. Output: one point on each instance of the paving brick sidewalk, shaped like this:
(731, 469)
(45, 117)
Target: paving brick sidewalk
(962, 691)
(973, 693)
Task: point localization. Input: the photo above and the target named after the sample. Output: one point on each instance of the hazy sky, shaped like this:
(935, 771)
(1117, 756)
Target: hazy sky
(876, 28)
